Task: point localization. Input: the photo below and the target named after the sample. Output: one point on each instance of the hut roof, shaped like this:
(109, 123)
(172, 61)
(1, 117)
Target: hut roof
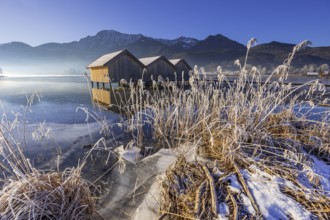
(176, 61)
(150, 60)
(103, 60)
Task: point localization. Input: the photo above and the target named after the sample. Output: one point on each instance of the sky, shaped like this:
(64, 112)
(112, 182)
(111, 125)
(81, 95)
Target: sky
(41, 21)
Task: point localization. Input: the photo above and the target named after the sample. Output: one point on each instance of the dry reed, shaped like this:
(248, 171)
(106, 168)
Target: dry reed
(246, 122)
(29, 193)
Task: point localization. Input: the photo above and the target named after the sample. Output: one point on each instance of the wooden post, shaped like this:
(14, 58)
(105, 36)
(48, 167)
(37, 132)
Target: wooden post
(110, 90)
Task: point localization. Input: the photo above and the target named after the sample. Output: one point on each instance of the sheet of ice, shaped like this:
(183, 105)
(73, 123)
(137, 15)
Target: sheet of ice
(43, 142)
(65, 133)
(148, 209)
(131, 155)
(134, 193)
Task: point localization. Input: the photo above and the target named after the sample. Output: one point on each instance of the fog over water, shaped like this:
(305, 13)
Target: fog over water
(59, 98)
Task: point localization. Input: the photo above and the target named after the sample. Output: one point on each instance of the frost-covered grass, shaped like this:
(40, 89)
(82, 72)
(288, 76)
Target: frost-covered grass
(30, 193)
(238, 125)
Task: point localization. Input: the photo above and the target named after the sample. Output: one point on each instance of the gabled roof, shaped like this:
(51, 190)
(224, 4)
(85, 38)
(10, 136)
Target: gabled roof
(149, 60)
(176, 61)
(103, 60)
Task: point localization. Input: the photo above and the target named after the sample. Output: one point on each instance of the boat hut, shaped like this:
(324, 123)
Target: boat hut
(110, 68)
(116, 66)
(181, 67)
(159, 65)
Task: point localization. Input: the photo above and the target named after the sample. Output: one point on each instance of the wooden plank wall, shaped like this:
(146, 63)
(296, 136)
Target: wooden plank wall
(124, 67)
(102, 96)
(100, 74)
(181, 66)
(161, 67)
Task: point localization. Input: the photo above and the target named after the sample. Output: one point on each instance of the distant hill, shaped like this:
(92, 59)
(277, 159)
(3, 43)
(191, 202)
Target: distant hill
(274, 53)
(210, 52)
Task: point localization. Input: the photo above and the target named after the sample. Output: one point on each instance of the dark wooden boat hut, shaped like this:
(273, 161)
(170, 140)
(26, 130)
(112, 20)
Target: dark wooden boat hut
(117, 65)
(157, 66)
(181, 67)
(111, 68)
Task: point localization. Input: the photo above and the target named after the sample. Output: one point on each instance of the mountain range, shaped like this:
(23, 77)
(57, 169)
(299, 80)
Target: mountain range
(210, 52)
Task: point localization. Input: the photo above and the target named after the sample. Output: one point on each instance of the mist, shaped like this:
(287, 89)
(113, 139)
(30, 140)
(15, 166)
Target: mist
(44, 68)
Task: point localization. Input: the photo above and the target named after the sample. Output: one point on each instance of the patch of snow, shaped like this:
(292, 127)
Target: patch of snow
(248, 205)
(235, 186)
(323, 170)
(273, 204)
(184, 42)
(223, 211)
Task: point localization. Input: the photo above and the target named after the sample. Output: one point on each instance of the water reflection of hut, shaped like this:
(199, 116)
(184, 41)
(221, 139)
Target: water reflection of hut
(159, 65)
(113, 67)
(181, 67)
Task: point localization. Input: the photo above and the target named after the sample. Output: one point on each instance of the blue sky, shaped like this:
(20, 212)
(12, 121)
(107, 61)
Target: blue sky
(40, 21)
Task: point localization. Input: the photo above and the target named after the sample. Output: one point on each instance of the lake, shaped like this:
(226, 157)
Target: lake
(60, 96)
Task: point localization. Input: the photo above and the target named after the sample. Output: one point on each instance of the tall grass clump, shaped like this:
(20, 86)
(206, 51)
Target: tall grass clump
(254, 122)
(29, 193)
